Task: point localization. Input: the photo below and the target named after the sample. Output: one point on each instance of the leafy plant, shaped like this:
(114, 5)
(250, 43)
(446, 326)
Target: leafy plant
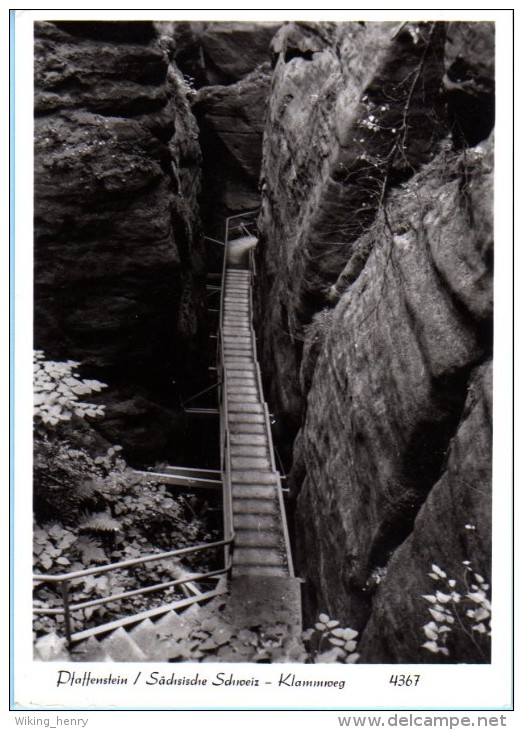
(57, 391)
(467, 610)
(330, 642)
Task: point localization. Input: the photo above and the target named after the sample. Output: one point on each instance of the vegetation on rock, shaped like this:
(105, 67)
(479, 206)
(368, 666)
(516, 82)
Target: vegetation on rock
(91, 509)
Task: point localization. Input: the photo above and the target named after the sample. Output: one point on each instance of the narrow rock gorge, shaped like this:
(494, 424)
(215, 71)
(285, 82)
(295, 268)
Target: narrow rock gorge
(369, 149)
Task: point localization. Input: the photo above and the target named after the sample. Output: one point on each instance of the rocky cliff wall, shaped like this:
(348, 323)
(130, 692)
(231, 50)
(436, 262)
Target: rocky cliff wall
(228, 67)
(118, 250)
(375, 309)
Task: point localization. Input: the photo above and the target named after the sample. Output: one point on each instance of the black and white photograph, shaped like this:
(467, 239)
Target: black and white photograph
(262, 334)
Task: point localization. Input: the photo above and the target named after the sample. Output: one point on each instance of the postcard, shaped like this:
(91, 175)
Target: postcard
(262, 267)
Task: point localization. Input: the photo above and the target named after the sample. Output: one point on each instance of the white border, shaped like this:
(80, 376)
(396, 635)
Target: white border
(367, 686)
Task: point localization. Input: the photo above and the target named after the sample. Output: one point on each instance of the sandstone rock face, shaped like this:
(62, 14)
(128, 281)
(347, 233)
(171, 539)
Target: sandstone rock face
(227, 64)
(354, 110)
(374, 310)
(452, 527)
(231, 120)
(469, 80)
(217, 54)
(118, 260)
(389, 381)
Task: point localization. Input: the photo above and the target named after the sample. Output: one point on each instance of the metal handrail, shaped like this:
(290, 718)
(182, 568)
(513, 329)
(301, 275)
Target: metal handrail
(189, 578)
(64, 579)
(246, 214)
(56, 578)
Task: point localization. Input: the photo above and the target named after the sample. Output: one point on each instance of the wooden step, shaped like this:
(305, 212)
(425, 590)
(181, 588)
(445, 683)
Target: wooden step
(253, 476)
(168, 624)
(238, 359)
(122, 648)
(258, 556)
(242, 398)
(250, 462)
(242, 407)
(254, 491)
(257, 418)
(144, 634)
(260, 570)
(239, 369)
(248, 450)
(255, 507)
(243, 349)
(256, 522)
(247, 428)
(242, 391)
(90, 650)
(253, 538)
(248, 439)
(240, 350)
(236, 370)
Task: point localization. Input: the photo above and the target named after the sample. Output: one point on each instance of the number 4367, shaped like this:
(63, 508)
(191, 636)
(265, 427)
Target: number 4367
(405, 680)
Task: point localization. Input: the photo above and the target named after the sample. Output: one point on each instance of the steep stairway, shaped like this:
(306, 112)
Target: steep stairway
(261, 544)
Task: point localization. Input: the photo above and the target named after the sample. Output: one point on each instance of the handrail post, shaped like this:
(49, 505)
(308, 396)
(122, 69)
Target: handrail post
(64, 587)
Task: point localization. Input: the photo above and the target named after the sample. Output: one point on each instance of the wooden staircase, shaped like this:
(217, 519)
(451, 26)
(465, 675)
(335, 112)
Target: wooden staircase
(261, 543)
